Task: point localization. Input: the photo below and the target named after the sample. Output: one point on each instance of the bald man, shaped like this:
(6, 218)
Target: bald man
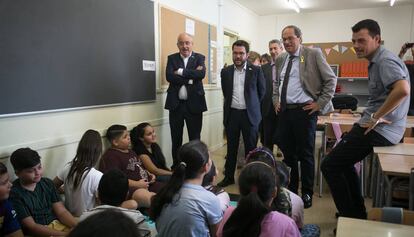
(185, 95)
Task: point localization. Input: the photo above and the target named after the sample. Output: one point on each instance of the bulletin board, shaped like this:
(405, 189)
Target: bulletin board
(173, 23)
(336, 52)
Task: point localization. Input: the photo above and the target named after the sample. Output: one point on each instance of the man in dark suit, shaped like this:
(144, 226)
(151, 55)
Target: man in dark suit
(269, 119)
(243, 88)
(304, 87)
(185, 95)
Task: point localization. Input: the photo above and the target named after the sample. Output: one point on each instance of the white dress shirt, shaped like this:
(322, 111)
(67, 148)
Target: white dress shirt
(182, 93)
(238, 101)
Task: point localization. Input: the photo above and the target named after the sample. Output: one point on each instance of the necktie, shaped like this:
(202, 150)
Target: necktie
(285, 84)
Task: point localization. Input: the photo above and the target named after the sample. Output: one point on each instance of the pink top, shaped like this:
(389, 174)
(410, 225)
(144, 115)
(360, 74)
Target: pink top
(297, 209)
(274, 224)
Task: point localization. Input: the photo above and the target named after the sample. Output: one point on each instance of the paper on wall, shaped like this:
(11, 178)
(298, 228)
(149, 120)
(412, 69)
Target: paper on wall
(148, 65)
(189, 26)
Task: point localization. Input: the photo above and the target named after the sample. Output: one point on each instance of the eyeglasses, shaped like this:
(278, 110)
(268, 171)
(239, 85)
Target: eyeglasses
(182, 43)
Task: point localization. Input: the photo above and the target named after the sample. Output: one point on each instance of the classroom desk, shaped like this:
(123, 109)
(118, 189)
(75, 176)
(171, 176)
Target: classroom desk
(338, 118)
(392, 167)
(349, 119)
(348, 227)
(399, 149)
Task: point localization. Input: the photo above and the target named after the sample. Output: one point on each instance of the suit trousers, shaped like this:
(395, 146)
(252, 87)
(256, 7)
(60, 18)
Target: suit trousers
(194, 122)
(268, 128)
(340, 174)
(238, 121)
(296, 137)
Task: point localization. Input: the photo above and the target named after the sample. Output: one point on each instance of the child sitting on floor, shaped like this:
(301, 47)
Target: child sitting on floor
(79, 176)
(112, 192)
(37, 203)
(183, 207)
(9, 225)
(253, 215)
(142, 184)
(144, 143)
(208, 181)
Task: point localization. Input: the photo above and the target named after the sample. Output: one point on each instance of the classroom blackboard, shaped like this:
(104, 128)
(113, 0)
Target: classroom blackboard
(65, 54)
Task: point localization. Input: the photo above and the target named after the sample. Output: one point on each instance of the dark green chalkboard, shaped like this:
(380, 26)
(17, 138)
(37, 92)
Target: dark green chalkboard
(65, 54)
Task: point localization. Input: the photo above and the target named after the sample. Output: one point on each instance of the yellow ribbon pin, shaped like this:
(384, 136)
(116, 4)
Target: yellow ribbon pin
(302, 59)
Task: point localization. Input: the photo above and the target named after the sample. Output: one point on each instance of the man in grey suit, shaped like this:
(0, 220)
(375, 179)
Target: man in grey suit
(304, 87)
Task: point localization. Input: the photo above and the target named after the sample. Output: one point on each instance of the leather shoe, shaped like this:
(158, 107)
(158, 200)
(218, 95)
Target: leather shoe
(226, 182)
(307, 200)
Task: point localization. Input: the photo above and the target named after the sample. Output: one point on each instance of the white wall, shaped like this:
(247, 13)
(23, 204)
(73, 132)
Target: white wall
(55, 135)
(241, 20)
(267, 32)
(335, 26)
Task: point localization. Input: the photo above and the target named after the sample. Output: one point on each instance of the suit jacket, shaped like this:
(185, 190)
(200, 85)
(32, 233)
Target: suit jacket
(196, 100)
(267, 104)
(317, 78)
(254, 90)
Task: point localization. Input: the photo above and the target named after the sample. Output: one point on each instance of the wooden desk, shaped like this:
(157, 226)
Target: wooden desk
(348, 227)
(341, 119)
(347, 119)
(397, 165)
(392, 168)
(399, 149)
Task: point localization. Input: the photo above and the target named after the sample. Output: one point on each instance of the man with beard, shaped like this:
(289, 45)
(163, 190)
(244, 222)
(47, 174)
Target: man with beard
(243, 89)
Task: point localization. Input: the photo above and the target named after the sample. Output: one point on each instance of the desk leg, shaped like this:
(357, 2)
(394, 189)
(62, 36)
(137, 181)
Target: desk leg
(323, 152)
(369, 188)
(375, 180)
(378, 191)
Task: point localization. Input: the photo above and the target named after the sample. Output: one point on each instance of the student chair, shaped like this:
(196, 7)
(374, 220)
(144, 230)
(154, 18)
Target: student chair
(394, 215)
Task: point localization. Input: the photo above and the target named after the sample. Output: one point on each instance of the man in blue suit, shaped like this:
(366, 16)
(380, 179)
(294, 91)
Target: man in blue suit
(243, 88)
(185, 95)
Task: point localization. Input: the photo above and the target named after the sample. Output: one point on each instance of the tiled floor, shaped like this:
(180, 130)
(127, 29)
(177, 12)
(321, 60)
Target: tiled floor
(321, 213)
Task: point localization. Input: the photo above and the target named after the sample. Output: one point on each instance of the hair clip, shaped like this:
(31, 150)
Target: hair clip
(183, 164)
(260, 149)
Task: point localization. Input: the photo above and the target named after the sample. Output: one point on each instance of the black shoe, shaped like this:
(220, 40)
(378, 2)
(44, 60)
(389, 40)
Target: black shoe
(226, 182)
(307, 200)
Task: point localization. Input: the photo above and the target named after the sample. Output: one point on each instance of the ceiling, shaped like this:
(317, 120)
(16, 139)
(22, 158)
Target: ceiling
(270, 7)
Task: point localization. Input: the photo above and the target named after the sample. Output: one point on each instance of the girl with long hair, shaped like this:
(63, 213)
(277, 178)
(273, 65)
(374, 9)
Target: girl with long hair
(144, 143)
(253, 216)
(79, 177)
(183, 207)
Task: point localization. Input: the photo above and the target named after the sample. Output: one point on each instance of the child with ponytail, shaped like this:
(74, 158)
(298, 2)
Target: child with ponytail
(253, 216)
(183, 207)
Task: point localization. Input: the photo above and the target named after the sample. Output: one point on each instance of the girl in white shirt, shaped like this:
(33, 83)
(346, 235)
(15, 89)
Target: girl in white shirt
(79, 177)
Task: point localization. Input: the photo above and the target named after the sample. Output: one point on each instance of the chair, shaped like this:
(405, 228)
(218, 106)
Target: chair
(394, 215)
(332, 135)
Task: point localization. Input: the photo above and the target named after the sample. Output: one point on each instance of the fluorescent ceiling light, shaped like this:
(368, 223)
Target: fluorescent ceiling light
(293, 4)
(392, 2)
